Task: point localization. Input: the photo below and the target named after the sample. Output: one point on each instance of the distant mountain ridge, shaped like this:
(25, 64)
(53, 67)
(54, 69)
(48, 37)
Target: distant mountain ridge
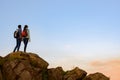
(29, 66)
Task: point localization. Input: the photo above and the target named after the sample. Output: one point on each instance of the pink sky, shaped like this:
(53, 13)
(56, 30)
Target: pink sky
(110, 68)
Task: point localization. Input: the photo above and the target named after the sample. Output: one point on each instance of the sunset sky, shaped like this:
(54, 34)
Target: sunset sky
(67, 33)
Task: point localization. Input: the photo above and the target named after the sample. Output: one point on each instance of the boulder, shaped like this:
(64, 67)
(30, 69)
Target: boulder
(29, 66)
(0, 68)
(1, 77)
(96, 76)
(75, 74)
(23, 66)
(55, 73)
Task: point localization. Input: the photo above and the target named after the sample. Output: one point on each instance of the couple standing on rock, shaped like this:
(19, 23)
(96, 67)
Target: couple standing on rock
(20, 35)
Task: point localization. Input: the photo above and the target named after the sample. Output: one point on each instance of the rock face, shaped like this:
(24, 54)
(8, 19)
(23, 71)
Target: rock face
(1, 75)
(75, 74)
(96, 76)
(23, 66)
(29, 66)
(55, 73)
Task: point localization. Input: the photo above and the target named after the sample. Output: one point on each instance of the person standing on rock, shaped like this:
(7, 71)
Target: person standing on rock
(25, 36)
(17, 35)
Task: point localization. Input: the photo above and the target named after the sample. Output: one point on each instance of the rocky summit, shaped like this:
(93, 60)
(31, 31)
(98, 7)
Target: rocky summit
(29, 66)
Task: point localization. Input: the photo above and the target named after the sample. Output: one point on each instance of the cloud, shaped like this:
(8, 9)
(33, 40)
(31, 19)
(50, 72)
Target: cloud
(97, 63)
(69, 62)
(67, 46)
(111, 68)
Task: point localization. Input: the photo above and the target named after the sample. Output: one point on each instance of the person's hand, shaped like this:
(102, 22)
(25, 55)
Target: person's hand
(29, 40)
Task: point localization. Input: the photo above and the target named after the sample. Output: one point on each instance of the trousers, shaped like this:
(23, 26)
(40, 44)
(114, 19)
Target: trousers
(18, 43)
(25, 41)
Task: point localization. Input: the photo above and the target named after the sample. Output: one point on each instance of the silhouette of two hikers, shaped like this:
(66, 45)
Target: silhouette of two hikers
(20, 36)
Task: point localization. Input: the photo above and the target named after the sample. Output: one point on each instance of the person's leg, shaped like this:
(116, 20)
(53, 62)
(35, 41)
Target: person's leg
(25, 43)
(19, 43)
(16, 45)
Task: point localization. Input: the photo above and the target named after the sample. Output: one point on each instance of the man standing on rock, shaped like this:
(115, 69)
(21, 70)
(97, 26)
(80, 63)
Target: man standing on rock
(17, 35)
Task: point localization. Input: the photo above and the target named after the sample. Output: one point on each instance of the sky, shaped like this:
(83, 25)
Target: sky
(83, 33)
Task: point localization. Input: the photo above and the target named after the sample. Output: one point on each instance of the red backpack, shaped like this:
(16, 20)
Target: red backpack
(24, 33)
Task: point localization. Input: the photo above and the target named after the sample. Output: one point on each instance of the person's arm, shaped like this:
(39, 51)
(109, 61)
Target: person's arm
(29, 35)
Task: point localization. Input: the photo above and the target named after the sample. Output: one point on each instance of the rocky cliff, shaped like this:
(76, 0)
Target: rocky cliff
(29, 66)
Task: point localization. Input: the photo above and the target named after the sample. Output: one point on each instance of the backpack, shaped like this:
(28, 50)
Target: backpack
(16, 34)
(24, 33)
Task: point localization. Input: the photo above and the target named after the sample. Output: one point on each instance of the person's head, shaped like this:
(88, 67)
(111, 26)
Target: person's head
(19, 26)
(25, 27)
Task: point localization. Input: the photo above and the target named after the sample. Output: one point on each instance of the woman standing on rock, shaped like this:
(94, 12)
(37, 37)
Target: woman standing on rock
(26, 36)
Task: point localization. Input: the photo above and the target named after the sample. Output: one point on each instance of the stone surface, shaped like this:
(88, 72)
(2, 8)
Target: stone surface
(23, 66)
(1, 77)
(75, 74)
(55, 73)
(29, 66)
(96, 76)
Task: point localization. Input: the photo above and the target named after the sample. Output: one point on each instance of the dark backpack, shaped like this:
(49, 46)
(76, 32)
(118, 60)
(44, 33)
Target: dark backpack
(16, 34)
